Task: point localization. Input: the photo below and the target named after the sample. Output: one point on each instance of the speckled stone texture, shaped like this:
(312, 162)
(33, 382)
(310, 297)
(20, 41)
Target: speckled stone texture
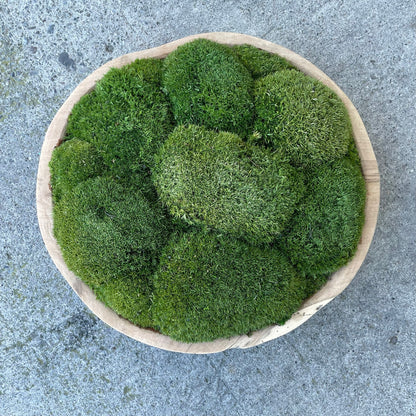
(357, 356)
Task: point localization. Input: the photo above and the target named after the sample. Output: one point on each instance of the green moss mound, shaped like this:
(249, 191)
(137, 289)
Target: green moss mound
(302, 117)
(208, 86)
(107, 231)
(209, 287)
(326, 229)
(73, 162)
(260, 63)
(208, 194)
(126, 117)
(217, 180)
(130, 297)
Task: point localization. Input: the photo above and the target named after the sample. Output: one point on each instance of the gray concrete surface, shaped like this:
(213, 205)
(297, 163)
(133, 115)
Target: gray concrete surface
(357, 356)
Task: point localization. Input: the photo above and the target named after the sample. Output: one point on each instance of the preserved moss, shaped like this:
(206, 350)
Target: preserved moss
(300, 116)
(73, 162)
(326, 229)
(191, 206)
(107, 231)
(217, 180)
(126, 117)
(207, 85)
(259, 62)
(210, 286)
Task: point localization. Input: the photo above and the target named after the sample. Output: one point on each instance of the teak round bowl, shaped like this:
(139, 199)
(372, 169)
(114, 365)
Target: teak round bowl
(336, 283)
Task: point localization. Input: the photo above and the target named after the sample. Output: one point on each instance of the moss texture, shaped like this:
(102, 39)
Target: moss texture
(130, 297)
(72, 163)
(326, 229)
(208, 86)
(260, 63)
(210, 286)
(126, 117)
(107, 231)
(217, 180)
(191, 206)
(301, 116)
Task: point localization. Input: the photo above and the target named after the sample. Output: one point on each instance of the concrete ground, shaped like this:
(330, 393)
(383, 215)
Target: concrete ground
(357, 356)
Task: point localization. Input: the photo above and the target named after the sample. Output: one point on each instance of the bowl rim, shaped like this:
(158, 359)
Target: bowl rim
(337, 282)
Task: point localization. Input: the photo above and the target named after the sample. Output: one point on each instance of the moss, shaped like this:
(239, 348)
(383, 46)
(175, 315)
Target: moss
(184, 218)
(210, 286)
(126, 117)
(208, 86)
(217, 180)
(259, 62)
(325, 231)
(302, 116)
(107, 231)
(73, 162)
(130, 297)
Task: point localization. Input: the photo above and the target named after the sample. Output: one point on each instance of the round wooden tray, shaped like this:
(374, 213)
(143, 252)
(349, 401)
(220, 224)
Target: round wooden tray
(335, 285)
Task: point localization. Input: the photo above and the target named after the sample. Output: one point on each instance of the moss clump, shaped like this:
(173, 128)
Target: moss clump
(130, 297)
(208, 86)
(260, 63)
(126, 117)
(191, 206)
(73, 162)
(217, 180)
(209, 287)
(301, 116)
(107, 232)
(326, 229)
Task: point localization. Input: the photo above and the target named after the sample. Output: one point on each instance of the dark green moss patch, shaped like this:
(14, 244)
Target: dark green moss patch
(208, 86)
(301, 116)
(260, 63)
(209, 287)
(126, 117)
(218, 180)
(325, 232)
(107, 232)
(130, 297)
(73, 162)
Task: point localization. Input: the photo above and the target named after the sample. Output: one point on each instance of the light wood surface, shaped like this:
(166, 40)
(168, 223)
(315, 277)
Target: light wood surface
(335, 285)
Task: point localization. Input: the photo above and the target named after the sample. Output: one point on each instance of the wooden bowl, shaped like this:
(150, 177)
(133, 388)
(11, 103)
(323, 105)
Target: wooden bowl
(336, 283)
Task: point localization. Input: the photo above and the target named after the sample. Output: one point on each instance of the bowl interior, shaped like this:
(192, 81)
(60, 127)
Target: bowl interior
(336, 283)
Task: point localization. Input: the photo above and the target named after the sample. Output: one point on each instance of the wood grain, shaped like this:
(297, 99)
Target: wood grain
(335, 285)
